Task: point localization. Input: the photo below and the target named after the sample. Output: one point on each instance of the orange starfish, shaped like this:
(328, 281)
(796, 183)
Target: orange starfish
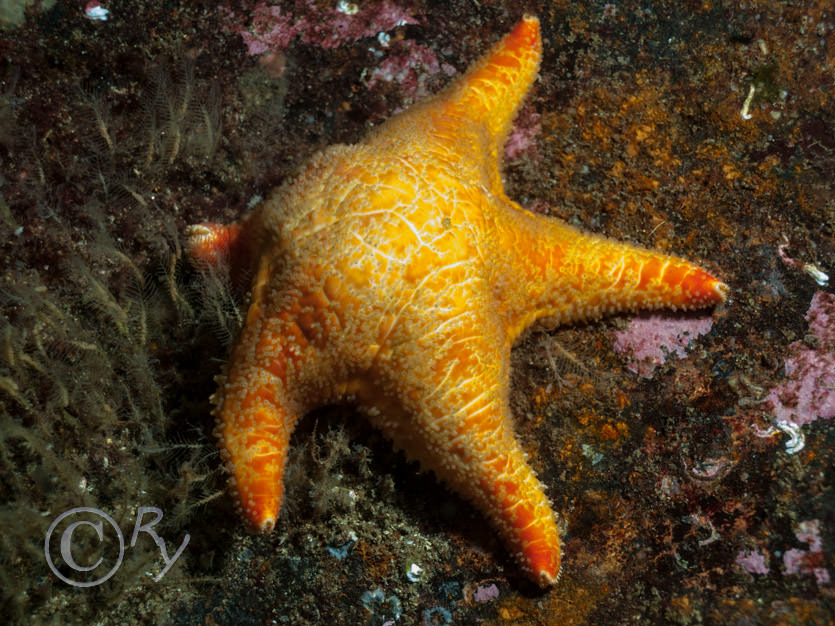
(396, 274)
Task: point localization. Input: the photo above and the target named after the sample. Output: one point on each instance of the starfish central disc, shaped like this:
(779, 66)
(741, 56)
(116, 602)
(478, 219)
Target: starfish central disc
(396, 274)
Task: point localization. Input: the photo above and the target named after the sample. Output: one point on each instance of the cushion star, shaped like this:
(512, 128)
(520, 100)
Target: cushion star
(396, 274)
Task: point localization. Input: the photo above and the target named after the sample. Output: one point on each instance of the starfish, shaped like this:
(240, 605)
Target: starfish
(396, 275)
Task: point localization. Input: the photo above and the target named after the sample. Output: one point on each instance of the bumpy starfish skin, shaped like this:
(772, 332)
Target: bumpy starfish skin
(396, 274)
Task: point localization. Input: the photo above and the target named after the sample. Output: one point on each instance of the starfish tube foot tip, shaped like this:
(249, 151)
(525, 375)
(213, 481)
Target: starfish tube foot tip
(722, 290)
(544, 568)
(208, 243)
(548, 579)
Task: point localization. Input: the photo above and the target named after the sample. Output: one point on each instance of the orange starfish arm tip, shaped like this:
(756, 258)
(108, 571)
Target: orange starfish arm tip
(519, 42)
(257, 476)
(718, 289)
(260, 506)
(492, 90)
(210, 243)
(541, 551)
(700, 288)
(517, 51)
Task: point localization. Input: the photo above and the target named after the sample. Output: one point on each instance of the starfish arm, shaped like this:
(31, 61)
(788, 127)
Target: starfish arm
(444, 400)
(276, 362)
(560, 273)
(483, 462)
(493, 89)
(469, 445)
(253, 426)
(466, 124)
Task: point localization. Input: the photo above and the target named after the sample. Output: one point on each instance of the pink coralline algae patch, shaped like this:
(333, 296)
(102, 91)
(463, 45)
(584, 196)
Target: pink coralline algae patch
(808, 393)
(485, 593)
(271, 28)
(807, 561)
(752, 561)
(410, 66)
(522, 138)
(651, 339)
